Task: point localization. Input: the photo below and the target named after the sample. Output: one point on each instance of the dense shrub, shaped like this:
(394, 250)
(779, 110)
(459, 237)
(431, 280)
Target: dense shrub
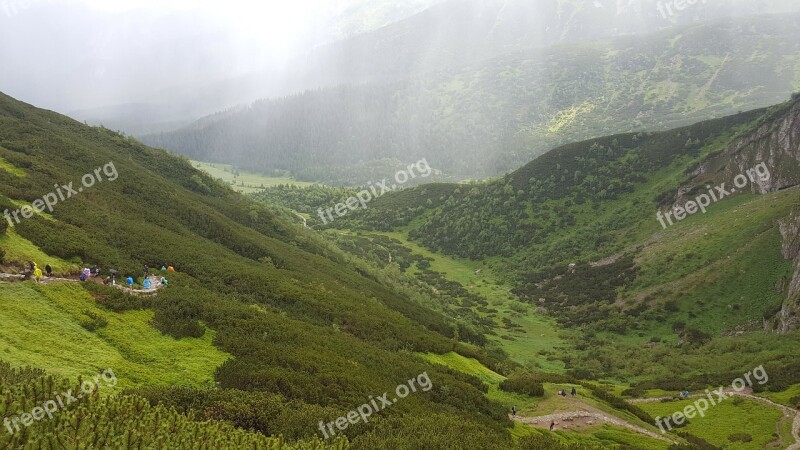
(619, 403)
(523, 384)
(740, 437)
(93, 321)
(695, 443)
(541, 441)
(120, 421)
(115, 299)
(634, 392)
(433, 431)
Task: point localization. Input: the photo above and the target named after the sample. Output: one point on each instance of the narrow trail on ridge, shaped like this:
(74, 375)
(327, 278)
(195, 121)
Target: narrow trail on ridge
(587, 415)
(155, 282)
(746, 393)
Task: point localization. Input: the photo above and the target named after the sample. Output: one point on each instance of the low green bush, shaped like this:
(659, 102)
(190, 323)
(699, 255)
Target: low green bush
(93, 321)
(523, 384)
(619, 403)
(740, 437)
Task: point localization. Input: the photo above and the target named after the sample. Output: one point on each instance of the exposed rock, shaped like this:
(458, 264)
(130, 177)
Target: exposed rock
(606, 261)
(776, 143)
(788, 318)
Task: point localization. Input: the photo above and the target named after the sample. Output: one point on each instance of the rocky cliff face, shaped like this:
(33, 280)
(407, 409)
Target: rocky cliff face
(774, 145)
(789, 317)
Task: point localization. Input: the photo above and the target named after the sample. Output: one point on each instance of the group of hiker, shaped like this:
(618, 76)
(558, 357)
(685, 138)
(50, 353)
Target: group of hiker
(36, 273)
(146, 283)
(561, 392)
(683, 395)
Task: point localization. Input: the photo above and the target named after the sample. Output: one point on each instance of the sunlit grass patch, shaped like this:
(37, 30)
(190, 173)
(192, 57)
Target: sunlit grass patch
(732, 416)
(40, 326)
(12, 169)
(242, 181)
(20, 250)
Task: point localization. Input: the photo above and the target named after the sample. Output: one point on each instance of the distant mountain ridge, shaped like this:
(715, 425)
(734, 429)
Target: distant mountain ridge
(387, 42)
(485, 119)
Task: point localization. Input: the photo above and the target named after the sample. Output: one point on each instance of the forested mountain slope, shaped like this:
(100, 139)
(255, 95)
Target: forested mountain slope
(577, 236)
(309, 332)
(493, 116)
(455, 33)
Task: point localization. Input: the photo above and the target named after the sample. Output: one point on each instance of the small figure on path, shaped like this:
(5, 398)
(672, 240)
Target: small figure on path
(514, 410)
(48, 270)
(574, 391)
(552, 425)
(563, 392)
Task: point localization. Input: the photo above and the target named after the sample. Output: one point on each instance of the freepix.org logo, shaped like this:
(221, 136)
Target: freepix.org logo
(363, 412)
(703, 201)
(673, 7)
(13, 7)
(60, 401)
(420, 168)
(61, 193)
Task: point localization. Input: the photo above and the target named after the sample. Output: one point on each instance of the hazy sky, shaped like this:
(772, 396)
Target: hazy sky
(68, 54)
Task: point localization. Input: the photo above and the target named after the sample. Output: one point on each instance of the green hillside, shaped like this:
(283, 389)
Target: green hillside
(264, 325)
(569, 247)
(267, 328)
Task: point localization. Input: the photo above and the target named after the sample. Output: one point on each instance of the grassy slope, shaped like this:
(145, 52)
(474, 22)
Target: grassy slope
(785, 396)
(41, 328)
(18, 249)
(727, 418)
(323, 338)
(539, 332)
(549, 404)
(245, 182)
(719, 268)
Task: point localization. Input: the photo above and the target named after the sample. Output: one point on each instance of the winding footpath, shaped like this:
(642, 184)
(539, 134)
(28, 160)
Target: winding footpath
(593, 415)
(589, 415)
(154, 280)
(796, 433)
(748, 393)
